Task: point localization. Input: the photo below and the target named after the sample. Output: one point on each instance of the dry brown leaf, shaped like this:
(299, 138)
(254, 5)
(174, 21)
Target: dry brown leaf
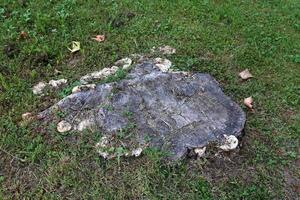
(249, 102)
(245, 74)
(99, 38)
(24, 35)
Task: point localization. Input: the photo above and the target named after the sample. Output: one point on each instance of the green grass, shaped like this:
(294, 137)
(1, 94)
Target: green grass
(217, 37)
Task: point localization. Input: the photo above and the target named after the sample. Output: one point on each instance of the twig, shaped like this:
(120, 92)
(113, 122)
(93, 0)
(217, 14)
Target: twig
(15, 157)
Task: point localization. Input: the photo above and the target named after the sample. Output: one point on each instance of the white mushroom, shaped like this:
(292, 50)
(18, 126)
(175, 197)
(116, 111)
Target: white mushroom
(163, 64)
(167, 50)
(38, 88)
(63, 126)
(137, 152)
(103, 154)
(28, 116)
(125, 63)
(101, 145)
(57, 83)
(80, 88)
(103, 142)
(84, 124)
(104, 73)
(200, 151)
(230, 143)
(245, 74)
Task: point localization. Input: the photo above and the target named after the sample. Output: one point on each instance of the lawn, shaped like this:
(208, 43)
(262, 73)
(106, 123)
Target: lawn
(217, 37)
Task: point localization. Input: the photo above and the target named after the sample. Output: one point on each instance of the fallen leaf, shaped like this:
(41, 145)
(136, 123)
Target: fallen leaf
(75, 47)
(24, 35)
(245, 74)
(249, 102)
(99, 38)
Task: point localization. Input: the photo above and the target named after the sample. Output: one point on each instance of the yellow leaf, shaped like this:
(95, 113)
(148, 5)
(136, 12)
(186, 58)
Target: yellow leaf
(75, 47)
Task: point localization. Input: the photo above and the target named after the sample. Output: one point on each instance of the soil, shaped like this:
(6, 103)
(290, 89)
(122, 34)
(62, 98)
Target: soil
(41, 59)
(11, 50)
(122, 19)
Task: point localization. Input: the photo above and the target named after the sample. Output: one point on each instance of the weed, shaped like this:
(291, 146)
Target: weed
(68, 90)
